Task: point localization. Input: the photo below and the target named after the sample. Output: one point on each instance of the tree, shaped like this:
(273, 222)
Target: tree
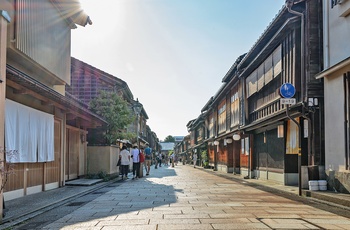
(114, 109)
(6, 168)
(169, 139)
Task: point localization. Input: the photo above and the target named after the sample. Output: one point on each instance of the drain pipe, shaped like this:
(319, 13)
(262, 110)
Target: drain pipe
(289, 4)
(299, 148)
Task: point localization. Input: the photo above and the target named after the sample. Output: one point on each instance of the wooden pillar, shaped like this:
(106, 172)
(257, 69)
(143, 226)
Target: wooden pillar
(4, 20)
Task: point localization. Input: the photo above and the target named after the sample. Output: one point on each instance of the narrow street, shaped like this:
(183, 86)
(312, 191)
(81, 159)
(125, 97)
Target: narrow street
(186, 198)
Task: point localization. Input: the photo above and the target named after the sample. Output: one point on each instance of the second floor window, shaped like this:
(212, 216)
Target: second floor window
(211, 125)
(234, 109)
(199, 135)
(222, 116)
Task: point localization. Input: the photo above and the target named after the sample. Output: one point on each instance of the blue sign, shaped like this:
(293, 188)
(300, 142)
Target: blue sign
(287, 90)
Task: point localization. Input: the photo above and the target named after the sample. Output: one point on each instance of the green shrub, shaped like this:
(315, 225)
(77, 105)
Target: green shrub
(100, 175)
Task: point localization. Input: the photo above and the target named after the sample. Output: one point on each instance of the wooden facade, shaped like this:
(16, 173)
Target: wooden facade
(248, 105)
(35, 80)
(86, 83)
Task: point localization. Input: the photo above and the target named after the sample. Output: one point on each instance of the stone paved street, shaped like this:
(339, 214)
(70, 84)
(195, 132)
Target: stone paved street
(187, 198)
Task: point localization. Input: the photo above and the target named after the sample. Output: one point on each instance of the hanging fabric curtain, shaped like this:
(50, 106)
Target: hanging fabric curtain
(29, 133)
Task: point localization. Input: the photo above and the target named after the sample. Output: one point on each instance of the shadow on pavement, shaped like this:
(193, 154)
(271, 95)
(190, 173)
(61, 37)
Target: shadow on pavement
(122, 199)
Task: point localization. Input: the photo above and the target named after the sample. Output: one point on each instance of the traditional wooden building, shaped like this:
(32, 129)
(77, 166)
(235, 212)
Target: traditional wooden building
(285, 137)
(273, 140)
(45, 128)
(222, 115)
(198, 145)
(86, 83)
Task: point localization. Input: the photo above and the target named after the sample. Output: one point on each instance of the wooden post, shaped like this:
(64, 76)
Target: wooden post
(4, 20)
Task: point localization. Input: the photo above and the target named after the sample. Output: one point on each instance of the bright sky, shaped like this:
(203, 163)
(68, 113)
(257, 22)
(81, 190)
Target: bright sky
(172, 54)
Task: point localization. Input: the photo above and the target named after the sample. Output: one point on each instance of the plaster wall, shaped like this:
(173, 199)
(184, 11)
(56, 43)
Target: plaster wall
(102, 159)
(334, 122)
(336, 32)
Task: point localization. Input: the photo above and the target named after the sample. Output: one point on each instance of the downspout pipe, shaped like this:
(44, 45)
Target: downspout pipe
(289, 4)
(299, 149)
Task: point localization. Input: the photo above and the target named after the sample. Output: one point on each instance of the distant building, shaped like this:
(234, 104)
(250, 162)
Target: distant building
(178, 139)
(167, 146)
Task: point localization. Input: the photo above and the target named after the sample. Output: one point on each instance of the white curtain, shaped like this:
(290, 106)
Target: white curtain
(11, 130)
(47, 133)
(28, 132)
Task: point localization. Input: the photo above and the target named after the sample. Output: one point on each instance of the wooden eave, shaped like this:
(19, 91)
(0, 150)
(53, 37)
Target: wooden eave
(233, 70)
(190, 123)
(264, 46)
(269, 40)
(72, 12)
(340, 65)
(74, 109)
(221, 91)
(207, 105)
(225, 87)
(144, 114)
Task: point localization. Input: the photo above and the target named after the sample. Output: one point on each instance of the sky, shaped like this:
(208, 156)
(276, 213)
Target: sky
(173, 54)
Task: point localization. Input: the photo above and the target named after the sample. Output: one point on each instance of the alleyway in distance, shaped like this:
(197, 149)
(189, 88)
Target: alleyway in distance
(190, 198)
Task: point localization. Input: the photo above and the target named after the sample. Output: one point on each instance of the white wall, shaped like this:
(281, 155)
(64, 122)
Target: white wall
(336, 49)
(334, 123)
(336, 32)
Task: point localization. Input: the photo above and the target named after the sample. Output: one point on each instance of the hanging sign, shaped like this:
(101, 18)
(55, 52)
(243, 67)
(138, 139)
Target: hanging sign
(287, 90)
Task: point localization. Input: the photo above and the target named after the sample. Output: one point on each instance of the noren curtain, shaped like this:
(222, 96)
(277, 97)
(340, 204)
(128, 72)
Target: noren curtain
(29, 133)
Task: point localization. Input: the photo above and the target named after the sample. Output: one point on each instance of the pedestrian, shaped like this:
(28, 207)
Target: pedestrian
(172, 159)
(194, 159)
(142, 161)
(175, 159)
(136, 162)
(156, 160)
(142, 150)
(159, 158)
(163, 159)
(124, 162)
(148, 158)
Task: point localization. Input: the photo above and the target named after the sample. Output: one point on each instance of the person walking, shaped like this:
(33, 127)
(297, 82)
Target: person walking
(148, 158)
(136, 162)
(172, 158)
(124, 162)
(195, 159)
(159, 158)
(142, 161)
(155, 160)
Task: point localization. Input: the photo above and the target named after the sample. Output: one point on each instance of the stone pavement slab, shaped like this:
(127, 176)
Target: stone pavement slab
(187, 198)
(84, 182)
(192, 198)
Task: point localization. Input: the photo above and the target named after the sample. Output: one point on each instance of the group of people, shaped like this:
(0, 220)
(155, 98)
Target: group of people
(137, 156)
(160, 159)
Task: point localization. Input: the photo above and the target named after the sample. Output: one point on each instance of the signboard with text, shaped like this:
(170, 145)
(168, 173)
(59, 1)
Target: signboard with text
(288, 101)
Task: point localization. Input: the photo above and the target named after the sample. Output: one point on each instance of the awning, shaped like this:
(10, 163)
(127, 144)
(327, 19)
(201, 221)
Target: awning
(332, 69)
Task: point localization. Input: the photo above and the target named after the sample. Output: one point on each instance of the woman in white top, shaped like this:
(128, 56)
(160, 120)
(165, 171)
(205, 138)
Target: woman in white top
(124, 162)
(136, 162)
